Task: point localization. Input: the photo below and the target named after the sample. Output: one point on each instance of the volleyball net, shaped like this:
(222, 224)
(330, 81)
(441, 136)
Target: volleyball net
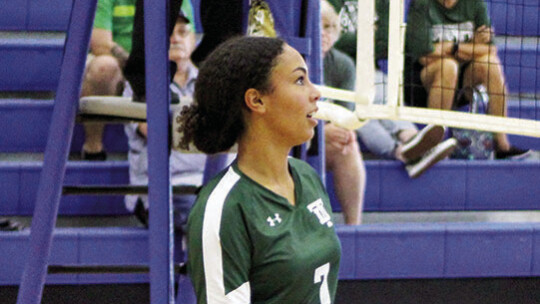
(517, 39)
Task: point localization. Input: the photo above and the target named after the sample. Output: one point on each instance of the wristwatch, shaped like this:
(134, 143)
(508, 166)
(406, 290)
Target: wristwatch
(455, 48)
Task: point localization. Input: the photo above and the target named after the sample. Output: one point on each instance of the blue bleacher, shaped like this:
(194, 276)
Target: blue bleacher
(34, 65)
(373, 251)
(23, 135)
(19, 182)
(31, 135)
(30, 64)
(515, 17)
(35, 15)
(452, 185)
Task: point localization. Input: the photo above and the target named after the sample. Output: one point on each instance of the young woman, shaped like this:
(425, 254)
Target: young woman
(261, 231)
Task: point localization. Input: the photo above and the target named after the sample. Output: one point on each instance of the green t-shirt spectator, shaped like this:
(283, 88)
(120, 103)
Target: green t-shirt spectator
(117, 17)
(429, 22)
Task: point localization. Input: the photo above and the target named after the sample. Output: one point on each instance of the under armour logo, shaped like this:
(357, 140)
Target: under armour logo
(272, 221)
(317, 208)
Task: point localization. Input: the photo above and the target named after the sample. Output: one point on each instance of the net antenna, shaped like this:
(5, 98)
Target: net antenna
(394, 109)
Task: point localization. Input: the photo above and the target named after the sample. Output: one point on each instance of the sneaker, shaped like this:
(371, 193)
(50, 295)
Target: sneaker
(98, 156)
(436, 154)
(10, 225)
(424, 140)
(141, 213)
(513, 153)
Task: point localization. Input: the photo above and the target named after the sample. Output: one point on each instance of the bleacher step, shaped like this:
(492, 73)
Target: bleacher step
(25, 124)
(451, 185)
(373, 251)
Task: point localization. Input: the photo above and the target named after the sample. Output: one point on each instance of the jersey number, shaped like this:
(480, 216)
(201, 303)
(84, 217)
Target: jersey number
(321, 275)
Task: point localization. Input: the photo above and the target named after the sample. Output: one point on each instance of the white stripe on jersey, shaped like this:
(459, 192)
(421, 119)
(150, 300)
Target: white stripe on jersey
(212, 258)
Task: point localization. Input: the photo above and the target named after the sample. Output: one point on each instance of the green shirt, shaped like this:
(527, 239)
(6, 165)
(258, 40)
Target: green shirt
(116, 16)
(347, 11)
(339, 72)
(429, 22)
(249, 245)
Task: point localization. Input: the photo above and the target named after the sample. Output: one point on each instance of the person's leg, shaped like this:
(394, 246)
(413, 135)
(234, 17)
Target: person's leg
(440, 79)
(220, 21)
(134, 70)
(103, 77)
(377, 139)
(487, 70)
(412, 144)
(349, 180)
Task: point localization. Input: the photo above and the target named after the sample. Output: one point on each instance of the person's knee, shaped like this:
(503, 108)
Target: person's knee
(443, 70)
(487, 67)
(336, 159)
(104, 73)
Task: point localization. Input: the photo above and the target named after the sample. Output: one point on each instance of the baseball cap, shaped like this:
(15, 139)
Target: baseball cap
(183, 16)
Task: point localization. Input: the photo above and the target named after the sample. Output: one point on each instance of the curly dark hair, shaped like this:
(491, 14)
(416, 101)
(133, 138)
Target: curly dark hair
(215, 120)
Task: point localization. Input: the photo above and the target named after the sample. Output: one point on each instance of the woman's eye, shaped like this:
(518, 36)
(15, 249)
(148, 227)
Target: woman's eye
(300, 80)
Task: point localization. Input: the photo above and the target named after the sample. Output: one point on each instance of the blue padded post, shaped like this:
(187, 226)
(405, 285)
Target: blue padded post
(214, 164)
(56, 152)
(159, 187)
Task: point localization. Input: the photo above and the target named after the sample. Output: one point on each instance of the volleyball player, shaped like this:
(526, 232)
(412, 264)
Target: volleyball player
(260, 231)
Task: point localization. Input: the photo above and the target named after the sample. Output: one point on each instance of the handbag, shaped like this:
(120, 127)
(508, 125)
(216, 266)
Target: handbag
(473, 144)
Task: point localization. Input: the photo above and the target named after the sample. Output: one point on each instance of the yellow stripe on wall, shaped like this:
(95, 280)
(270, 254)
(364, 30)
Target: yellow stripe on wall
(124, 11)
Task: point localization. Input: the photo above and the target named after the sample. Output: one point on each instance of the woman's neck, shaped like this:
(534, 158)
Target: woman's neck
(266, 164)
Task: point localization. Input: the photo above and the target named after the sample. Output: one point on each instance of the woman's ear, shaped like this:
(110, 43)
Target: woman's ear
(253, 100)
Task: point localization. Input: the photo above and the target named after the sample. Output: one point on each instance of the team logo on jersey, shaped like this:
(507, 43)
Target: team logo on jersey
(273, 221)
(317, 208)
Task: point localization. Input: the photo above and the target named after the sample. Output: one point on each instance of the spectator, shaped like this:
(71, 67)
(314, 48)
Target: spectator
(385, 138)
(185, 168)
(343, 156)
(110, 44)
(449, 45)
(260, 232)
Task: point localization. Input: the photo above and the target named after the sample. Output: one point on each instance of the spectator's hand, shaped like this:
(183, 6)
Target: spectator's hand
(483, 35)
(120, 54)
(339, 138)
(142, 129)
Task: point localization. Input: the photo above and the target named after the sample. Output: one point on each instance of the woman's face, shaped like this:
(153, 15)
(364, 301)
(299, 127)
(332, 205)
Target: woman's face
(291, 101)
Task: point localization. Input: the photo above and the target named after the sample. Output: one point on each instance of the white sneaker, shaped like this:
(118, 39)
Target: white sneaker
(423, 141)
(436, 154)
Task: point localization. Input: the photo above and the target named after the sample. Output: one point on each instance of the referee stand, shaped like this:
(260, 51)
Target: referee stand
(298, 24)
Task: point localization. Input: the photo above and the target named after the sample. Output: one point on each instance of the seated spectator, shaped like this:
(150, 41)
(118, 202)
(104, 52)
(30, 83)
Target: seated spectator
(448, 46)
(385, 138)
(185, 168)
(110, 44)
(343, 156)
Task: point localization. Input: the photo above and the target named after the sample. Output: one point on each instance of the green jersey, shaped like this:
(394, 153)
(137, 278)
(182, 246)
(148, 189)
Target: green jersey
(246, 244)
(116, 16)
(430, 22)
